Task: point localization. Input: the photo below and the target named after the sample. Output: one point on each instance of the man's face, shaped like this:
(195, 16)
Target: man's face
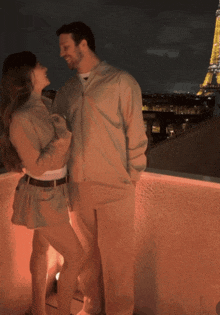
(69, 51)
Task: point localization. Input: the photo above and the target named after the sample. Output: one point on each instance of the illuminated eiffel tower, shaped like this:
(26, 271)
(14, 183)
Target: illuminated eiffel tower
(214, 67)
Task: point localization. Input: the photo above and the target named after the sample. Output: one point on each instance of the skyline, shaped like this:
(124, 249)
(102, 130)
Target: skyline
(165, 46)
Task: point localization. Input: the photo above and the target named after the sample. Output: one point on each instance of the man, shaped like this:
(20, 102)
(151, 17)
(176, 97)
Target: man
(104, 107)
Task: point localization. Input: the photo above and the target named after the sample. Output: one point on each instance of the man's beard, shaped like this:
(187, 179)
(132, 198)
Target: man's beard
(73, 64)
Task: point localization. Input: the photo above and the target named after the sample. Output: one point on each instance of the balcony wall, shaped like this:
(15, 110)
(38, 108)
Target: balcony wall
(177, 247)
(15, 251)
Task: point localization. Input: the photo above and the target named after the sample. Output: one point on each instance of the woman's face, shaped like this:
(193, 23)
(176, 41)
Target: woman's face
(39, 78)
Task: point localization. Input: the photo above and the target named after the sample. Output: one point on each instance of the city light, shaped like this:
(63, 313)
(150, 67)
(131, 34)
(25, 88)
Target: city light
(214, 65)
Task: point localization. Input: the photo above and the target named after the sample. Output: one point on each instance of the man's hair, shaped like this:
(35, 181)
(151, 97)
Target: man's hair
(79, 31)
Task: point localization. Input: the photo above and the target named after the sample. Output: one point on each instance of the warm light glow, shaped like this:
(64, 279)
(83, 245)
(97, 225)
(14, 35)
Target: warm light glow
(57, 276)
(215, 49)
(214, 66)
(208, 78)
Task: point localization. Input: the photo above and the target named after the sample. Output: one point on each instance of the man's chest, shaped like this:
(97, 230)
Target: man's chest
(98, 99)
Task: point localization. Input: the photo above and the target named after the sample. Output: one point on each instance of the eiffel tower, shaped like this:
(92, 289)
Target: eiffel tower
(208, 86)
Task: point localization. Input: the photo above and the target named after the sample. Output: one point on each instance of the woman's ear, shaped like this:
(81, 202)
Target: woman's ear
(33, 79)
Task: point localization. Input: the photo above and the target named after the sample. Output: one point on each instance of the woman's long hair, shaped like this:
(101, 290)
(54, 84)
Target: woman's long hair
(15, 90)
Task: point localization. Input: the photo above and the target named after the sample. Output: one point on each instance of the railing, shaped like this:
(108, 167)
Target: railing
(177, 247)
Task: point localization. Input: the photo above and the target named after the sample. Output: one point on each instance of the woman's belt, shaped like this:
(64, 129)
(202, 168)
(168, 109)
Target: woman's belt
(46, 183)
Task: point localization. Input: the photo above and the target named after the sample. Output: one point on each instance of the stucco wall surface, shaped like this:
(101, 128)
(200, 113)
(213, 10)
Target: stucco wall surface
(177, 222)
(15, 252)
(177, 246)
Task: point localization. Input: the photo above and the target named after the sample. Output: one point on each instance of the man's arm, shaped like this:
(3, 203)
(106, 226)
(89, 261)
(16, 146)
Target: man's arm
(136, 139)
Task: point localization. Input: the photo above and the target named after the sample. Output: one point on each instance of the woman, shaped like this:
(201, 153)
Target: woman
(37, 143)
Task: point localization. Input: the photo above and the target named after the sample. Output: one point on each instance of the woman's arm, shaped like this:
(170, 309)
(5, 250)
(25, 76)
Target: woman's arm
(35, 159)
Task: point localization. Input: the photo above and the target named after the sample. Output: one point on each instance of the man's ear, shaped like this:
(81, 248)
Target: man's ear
(83, 44)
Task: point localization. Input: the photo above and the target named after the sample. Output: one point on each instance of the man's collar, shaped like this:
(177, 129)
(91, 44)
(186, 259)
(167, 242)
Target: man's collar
(93, 68)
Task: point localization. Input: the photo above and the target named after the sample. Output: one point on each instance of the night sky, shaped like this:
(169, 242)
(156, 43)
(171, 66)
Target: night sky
(165, 45)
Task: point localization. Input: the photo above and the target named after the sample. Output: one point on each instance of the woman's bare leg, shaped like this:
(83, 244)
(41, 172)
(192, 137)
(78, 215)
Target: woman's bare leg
(65, 241)
(38, 268)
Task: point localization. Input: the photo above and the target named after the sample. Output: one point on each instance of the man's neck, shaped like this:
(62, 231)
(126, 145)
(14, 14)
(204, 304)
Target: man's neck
(88, 64)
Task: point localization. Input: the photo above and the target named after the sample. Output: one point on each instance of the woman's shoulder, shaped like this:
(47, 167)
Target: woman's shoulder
(29, 107)
(22, 116)
(18, 121)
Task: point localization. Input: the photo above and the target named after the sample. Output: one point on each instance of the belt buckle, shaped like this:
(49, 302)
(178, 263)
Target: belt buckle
(55, 183)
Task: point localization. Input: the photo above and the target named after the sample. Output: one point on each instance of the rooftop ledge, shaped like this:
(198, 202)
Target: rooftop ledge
(184, 175)
(177, 246)
(4, 174)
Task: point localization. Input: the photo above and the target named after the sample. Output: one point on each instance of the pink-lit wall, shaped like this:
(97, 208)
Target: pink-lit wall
(177, 248)
(15, 251)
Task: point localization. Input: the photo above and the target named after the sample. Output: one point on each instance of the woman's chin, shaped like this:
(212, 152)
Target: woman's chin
(48, 83)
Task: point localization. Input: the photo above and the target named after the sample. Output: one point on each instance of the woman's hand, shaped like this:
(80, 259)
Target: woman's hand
(60, 126)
